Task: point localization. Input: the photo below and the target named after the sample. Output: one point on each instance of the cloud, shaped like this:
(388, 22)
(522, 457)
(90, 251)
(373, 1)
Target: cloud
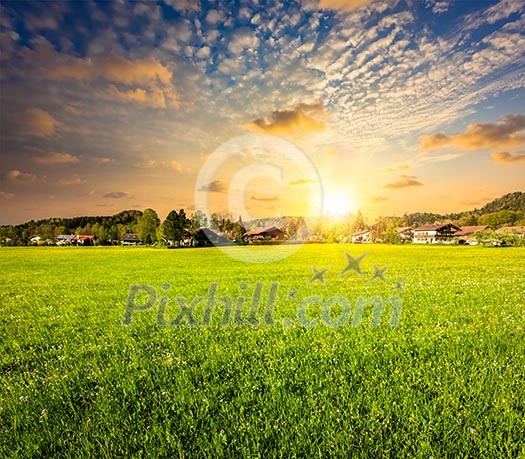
(217, 186)
(507, 133)
(265, 198)
(6, 195)
(214, 16)
(377, 199)
(39, 123)
(154, 97)
(503, 157)
(116, 195)
(344, 5)
(115, 68)
(405, 182)
(301, 182)
(55, 158)
(70, 181)
(154, 80)
(154, 164)
(244, 38)
(401, 167)
(299, 121)
(102, 159)
(18, 176)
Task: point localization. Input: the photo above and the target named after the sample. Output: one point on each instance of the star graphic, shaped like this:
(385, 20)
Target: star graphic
(318, 274)
(400, 285)
(353, 264)
(379, 273)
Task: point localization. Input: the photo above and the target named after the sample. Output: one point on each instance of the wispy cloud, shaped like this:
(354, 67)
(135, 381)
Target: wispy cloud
(18, 176)
(55, 158)
(265, 198)
(297, 122)
(116, 195)
(507, 133)
(39, 123)
(217, 186)
(406, 181)
(504, 157)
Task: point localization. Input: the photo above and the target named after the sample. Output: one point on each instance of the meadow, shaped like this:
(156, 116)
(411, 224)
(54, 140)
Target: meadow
(447, 381)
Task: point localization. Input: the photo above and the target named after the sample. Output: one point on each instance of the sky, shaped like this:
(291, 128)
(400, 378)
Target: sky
(384, 106)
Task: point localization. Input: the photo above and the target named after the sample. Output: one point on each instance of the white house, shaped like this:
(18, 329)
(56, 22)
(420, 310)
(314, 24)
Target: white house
(362, 237)
(435, 234)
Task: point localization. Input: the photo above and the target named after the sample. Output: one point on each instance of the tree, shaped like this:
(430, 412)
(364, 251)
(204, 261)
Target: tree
(147, 226)
(359, 223)
(176, 226)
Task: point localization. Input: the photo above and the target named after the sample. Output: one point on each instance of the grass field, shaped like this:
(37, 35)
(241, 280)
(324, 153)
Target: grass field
(448, 381)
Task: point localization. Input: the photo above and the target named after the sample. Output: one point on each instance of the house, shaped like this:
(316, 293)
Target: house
(466, 234)
(35, 239)
(406, 233)
(130, 239)
(362, 237)
(266, 233)
(435, 234)
(205, 237)
(65, 239)
(83, 239)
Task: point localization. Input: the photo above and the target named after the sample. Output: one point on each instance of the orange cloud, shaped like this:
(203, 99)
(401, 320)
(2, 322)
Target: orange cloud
(153, 97)
(296, 122)
(39, 123)
(6, 195)
(21, 177)
(55, 158)
(344, 5)
(405, 182)
(503, 157)
(507, 133)
(153, 164)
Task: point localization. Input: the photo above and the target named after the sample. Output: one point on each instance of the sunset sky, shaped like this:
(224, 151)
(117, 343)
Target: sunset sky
(401, 106)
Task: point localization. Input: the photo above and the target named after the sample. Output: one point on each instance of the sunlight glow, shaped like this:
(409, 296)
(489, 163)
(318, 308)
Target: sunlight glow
(338, 203)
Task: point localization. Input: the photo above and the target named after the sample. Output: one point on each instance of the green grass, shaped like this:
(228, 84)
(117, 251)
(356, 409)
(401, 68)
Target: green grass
(447, 382)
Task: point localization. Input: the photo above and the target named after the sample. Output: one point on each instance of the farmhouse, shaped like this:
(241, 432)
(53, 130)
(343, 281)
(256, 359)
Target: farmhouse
(362, 237)
(65, 239)
(266, 233)
(405, 233)
(83, 239)
(435, 234)
(35, 239)
(466, 234)
(130, 239)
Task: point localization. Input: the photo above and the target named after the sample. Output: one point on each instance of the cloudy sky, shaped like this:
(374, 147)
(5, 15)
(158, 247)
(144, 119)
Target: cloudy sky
(400, 105)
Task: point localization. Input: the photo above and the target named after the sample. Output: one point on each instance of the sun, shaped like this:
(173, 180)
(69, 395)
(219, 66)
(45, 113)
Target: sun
(338, 203)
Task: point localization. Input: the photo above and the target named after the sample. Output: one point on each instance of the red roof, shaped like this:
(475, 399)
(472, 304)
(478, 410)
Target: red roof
(466, 230)
(262, 230)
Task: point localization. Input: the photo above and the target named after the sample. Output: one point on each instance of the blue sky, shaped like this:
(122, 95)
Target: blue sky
(401, 105)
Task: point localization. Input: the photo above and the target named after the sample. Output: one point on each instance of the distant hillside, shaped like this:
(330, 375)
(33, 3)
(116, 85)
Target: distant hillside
(511, 201)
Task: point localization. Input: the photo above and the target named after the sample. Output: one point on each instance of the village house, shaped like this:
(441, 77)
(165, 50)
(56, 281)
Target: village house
(35, 239)
(362, 237)
(65, 239)
(406, 233)
(467, 234)
(435, 234)
(83, 239)
(130, 239)
(266, 233)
